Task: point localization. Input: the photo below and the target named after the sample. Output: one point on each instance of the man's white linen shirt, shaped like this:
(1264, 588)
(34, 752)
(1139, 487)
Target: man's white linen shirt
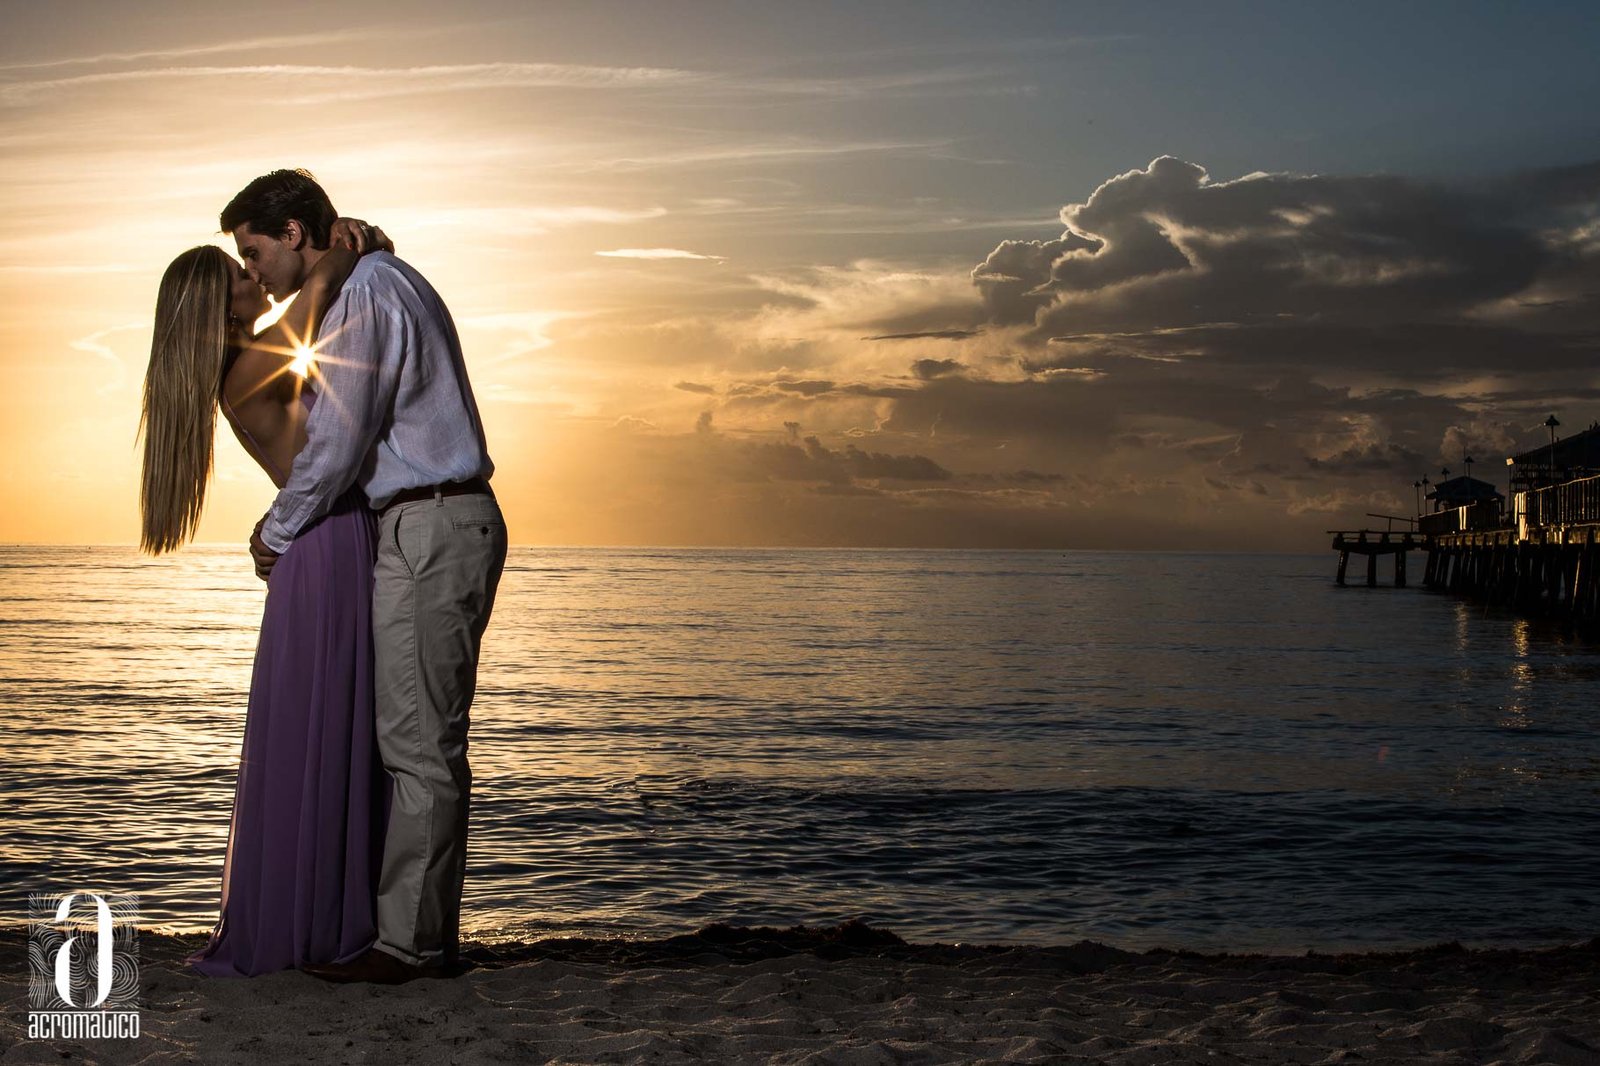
(394, 407)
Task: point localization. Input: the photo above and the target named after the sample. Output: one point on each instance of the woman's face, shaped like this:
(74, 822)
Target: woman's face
(246, 301)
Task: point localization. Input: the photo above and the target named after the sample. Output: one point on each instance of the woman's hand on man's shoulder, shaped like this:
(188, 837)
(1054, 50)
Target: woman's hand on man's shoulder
(360, 237)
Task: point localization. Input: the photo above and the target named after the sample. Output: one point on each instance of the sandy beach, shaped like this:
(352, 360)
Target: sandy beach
(854, 994)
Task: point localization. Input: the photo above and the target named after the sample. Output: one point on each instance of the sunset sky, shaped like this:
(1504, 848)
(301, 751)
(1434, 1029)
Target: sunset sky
(989, 274)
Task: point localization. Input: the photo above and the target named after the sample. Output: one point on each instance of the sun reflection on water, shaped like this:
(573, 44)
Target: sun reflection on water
(1516, 709)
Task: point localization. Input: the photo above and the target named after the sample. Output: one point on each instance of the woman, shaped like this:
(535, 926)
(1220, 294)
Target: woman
(311, 802)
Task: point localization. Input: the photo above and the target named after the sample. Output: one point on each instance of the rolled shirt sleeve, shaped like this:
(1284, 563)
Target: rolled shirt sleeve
(359, 353)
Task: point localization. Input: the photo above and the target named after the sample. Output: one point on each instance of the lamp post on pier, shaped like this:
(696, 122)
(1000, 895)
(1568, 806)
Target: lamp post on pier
(1551, 423)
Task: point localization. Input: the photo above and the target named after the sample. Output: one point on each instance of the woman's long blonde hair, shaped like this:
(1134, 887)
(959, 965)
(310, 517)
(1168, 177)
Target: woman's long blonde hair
(181, 387)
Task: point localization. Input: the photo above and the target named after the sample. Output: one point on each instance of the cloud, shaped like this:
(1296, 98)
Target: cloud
(1166, 247)
(928, 369)
(250, 44)
(693, 386)
(516, 334)
(884, 296)
(1376, 457)
(780, 150)
(1347, 502)
(656, 253)
(94, 344)
(811, 460)
(324, 83)
(932, 334)
(804, 388)
(509, 219)
(1282, 330)
(1014, 277)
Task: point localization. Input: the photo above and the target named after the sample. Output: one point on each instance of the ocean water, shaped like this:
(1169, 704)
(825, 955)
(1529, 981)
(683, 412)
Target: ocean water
(1217, 752)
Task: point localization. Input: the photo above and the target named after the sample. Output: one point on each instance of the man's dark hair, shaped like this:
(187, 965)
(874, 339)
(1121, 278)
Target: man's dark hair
(269, 202)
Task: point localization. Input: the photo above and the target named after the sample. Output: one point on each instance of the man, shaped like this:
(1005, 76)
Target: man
(396, 417)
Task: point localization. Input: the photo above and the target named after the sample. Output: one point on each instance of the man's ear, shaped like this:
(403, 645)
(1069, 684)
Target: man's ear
(294, 233)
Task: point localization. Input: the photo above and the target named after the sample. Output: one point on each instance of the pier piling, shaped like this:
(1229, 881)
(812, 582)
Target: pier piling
(1372, 544)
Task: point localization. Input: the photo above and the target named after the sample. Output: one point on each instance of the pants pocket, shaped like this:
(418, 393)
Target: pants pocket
(482, 519)
(400, 520)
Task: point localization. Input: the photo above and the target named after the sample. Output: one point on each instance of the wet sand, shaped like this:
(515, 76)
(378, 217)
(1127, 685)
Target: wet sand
(852, 994)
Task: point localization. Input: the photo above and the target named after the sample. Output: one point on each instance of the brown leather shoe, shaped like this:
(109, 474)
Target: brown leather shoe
(377, 967)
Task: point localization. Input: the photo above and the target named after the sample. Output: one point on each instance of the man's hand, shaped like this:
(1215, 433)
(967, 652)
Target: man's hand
(359, 237)
(264, 556)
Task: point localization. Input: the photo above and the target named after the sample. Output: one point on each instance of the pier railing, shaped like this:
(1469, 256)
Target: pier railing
(1571, 503)
(1485, 514)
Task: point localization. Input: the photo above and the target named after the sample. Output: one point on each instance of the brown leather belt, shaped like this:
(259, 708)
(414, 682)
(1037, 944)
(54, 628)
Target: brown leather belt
(447, 488)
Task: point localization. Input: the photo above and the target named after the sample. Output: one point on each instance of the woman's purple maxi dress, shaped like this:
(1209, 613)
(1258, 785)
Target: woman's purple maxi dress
(299, 883)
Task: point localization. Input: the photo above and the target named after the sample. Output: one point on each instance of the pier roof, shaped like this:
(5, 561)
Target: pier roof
(1460, 491)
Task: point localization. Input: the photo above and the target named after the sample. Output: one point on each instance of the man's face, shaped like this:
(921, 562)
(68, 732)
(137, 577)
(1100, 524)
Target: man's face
(273, 262)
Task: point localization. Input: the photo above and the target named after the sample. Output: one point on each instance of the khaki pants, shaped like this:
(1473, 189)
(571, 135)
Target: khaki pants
(439, 563)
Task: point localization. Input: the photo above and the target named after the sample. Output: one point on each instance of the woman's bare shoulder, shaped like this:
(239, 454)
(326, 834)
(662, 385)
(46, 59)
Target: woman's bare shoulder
(255, 377)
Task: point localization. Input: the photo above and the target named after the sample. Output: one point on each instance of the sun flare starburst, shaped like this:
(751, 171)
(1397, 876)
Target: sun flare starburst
(303, 356)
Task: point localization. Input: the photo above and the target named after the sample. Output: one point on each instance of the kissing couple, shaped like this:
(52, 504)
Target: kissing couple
(381, 552)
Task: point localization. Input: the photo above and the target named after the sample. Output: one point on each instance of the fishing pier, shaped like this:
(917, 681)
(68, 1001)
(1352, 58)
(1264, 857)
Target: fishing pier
(1539, 555)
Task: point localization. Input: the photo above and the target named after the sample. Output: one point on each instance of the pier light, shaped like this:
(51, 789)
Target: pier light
(1467, 462)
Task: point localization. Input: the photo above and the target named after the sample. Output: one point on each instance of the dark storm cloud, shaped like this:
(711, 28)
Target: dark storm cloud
(1543, 195)
(1209, 321)
(1387, 458)
(1012, 278)
(1404, 351)
(1167, 248)
(928, 369)
(1226, 420)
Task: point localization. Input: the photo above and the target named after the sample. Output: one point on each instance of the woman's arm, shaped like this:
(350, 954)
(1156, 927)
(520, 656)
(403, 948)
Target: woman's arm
(260, 377)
